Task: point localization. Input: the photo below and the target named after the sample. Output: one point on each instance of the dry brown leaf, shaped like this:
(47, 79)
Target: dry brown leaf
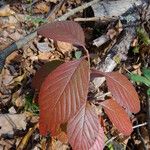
(64, 46)
(53, 1)
(41, 8)
(13, 57)
(112, 33)
(44, 56)
(57, 145)
(6, 11)
(137, 69)
(20, 102)
(7, 78)
(9, 122)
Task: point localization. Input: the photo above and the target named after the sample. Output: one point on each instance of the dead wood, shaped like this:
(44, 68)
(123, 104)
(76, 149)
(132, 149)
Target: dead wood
(130, 19)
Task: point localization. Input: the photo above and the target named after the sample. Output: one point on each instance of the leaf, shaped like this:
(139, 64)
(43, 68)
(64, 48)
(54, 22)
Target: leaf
(99, 142)
(97, 73)
(148, 92)
(141, 79)
(146, 73)
(78, 54)
(123, 91)
(62, 94)
(65, 31)
(41, 74)
(83, 129)
(118, 116)
(6, 11)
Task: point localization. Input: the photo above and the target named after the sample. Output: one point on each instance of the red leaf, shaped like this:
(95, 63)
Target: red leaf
(123, 91)
(99, 142)
(96, 73)
(66, 31)
(62, 94)
(41, 74)
(118, 116)
(83, 130)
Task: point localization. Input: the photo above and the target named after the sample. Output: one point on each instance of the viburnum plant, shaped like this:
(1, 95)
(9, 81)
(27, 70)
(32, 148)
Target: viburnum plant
(63, 94)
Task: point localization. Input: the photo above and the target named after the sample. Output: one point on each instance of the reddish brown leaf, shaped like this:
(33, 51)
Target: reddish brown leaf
(41, 74)
(123, 91)
(99, 142)
(118, 116)
(62, 94)
(83, 130)
(66, 31)
(96, 73)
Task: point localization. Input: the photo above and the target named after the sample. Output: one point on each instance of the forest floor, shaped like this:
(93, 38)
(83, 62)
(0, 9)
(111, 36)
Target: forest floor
(19, 111)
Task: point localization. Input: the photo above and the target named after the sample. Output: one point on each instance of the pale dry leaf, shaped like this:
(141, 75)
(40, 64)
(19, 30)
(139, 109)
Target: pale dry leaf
(20, 102)
(7, 78)
(44, 47)
(6, 11)
(53, 1)
(15, 36)
(57, 145)
(12, 110)
(44, 56)
(41, 8)
(18, 79)
(64, 46)
(12, 20)
(9, 122)
(21, 17)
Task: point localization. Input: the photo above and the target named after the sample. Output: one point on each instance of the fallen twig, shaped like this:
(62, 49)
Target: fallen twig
(78, 9)
(51, 15)
(141, 138)
(101, 19)
(140, 125)
(22, 145)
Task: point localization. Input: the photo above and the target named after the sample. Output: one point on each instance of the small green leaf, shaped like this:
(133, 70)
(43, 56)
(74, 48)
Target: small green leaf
(143, 36)
(148, 92)
(140, 79)
(110, 146)
(30, 106)
(136, 49)
(146, 73)
(78, 54)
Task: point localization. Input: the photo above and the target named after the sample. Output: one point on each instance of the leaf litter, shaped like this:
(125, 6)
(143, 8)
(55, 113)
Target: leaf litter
(21, 66)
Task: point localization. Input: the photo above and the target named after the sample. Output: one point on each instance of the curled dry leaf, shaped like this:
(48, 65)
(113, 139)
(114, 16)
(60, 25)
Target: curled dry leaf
(64, 46)
(83, 130)
(41, 8)
(62, 94)
(66, 31)
(123, 91)
(6, 11)
(118, 116)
